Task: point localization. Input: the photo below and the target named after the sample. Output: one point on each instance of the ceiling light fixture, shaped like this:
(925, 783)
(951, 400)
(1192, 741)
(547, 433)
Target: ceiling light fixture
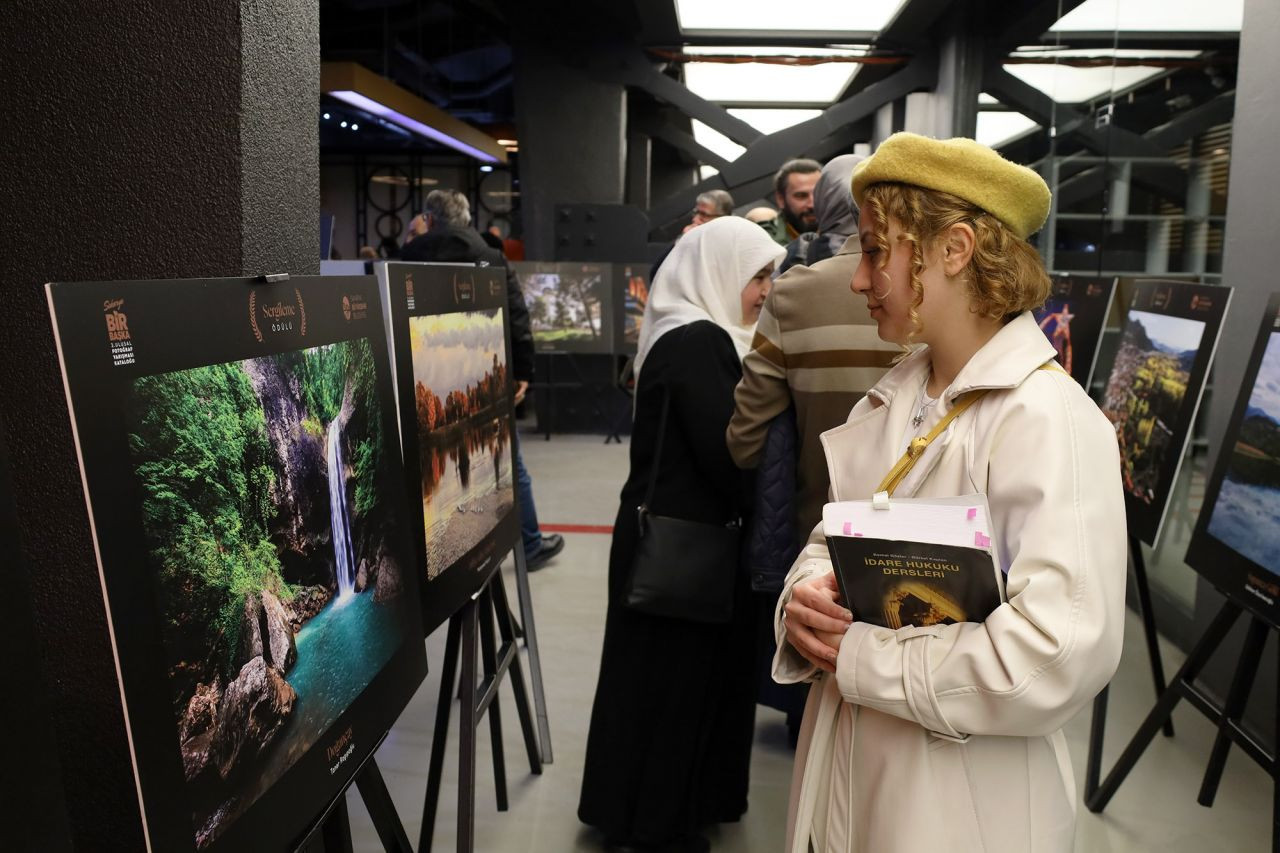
(361, 88)
(326, 116)
(355, 126)
(507, 142)
(486, 168)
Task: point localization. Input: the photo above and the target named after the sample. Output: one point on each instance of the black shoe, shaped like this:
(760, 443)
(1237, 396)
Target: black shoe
(551, 545)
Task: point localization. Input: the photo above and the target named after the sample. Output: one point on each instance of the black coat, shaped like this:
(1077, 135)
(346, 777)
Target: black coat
(669, 746)
(449, 244)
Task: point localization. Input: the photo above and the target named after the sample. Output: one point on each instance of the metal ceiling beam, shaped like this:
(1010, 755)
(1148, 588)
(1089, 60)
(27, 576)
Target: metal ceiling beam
(752, 173)
(632, 67)
(1033, 23)
(909, 30)
(677, 138)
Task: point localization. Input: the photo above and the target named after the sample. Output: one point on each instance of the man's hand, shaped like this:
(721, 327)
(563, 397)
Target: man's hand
(816, 622)
(522, 387)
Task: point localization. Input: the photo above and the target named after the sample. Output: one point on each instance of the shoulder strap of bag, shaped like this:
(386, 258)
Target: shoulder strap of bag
(916, 448)
(657, 453)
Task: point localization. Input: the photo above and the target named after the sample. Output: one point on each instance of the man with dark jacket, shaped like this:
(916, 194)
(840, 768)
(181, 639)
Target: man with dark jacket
(449, 238)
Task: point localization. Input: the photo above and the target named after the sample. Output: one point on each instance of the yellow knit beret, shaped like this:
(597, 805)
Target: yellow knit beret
(1014, 194)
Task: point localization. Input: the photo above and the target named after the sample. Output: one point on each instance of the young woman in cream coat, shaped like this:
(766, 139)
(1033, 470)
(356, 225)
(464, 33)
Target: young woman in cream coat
(949, 737)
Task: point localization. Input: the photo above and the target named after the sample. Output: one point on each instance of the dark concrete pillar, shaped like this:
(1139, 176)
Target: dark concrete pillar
(144, 139)
(572, 131)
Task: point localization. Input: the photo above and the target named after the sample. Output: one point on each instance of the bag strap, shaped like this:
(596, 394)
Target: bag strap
(916, 448)
(657, 453)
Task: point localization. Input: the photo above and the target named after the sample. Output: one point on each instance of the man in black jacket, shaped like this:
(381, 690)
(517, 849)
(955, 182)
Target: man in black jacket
(449, 237)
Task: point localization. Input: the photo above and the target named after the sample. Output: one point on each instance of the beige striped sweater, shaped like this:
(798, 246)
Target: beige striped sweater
(815, 345)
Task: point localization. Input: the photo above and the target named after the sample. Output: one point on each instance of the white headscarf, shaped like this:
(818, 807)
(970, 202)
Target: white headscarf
(703, 278)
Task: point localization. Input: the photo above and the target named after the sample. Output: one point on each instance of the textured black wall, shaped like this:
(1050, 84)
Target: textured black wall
(144, 139)
(572, 131)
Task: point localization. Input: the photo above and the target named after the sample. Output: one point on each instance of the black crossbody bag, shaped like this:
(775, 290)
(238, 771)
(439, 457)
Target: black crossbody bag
(682, 569)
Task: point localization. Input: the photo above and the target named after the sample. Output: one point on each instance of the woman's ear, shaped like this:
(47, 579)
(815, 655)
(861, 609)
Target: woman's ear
(957, 248)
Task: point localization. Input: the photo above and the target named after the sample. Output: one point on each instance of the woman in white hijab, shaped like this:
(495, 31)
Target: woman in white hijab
(669, 747)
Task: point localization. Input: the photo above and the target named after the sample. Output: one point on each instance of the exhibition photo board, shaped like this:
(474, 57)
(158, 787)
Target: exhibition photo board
(570, 305)
(451, 341)
(240, 465)
(1236, 543)
(1073, 318)
(633, 295)
(1154, 389)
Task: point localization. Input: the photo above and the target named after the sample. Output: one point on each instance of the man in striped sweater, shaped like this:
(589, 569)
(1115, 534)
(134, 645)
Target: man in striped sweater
(816, 347)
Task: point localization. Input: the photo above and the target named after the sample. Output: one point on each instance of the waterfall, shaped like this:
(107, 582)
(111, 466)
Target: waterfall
(343, 557)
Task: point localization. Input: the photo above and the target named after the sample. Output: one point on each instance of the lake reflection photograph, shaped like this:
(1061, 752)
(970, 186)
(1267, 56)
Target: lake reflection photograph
(280, 592)
(1246, 515)
(463, 401)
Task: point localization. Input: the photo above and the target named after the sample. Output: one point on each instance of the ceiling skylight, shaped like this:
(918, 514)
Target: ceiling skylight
(823, 15)
(996, 128)
(1153, 16)
(716, 141)
(771, 121)
(1068, 84)
(761, 83)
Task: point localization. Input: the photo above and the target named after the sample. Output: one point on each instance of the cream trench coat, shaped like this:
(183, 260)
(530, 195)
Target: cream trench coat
(949, 737)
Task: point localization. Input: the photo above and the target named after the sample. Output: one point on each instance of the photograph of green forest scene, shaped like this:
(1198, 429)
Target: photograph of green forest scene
(270, 537)
(567, 305)
(463, 401)
(1145, 393)
(1246, 514)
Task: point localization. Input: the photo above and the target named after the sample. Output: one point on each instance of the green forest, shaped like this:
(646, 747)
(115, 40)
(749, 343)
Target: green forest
(204, 456)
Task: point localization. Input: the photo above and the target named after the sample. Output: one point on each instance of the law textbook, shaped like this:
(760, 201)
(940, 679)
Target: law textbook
(920, 561)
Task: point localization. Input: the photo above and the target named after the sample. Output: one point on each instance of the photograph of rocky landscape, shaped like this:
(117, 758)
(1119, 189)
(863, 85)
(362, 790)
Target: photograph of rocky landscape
(462, 396)
(268, 535)
(1246, 515)
(1145, 394)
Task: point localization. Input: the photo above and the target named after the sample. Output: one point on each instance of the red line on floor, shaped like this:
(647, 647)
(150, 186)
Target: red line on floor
(606, 529)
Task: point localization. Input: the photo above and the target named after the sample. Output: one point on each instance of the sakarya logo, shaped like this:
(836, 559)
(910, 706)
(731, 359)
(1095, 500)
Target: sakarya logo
(277, 316)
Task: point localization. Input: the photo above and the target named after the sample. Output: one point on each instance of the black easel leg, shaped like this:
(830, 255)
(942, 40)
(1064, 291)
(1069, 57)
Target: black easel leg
(502, 607)
(491, 675)
(1237, 697)
(1195, 662)
(1149, 622)
(1097, 730)
(440, 737)
(335, 834)
(373, 790)
(467, 733)
(531, 643)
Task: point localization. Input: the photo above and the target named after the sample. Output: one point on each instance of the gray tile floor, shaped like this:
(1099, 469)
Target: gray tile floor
(576, 481)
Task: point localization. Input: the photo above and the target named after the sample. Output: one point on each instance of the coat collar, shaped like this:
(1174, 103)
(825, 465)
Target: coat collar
(1017, 350)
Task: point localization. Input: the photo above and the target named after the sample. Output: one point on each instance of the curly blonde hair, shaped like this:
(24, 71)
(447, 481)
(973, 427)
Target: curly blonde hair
(1004, 277)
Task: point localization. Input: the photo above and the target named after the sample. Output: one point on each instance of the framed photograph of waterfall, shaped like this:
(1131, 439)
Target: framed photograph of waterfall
(238, 449)
(1236, 543)
(451, 340)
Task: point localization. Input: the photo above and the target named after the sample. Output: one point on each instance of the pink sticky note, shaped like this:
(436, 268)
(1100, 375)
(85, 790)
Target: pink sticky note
(980, 539)
(848, 528)
(972, 513)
